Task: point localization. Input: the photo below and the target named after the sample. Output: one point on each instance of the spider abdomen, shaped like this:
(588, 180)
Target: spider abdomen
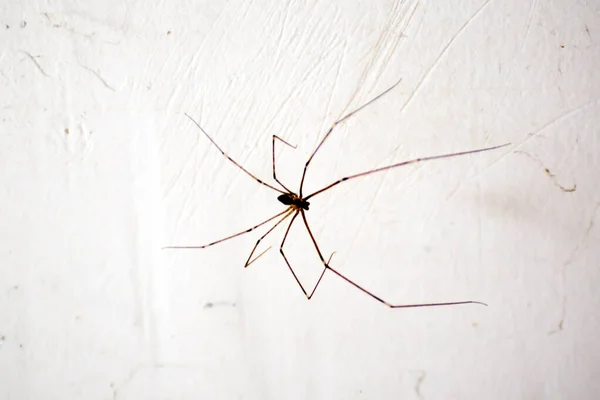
(291, 199)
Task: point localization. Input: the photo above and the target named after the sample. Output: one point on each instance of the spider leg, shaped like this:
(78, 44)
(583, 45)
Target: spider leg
(231, 159)
(248, 261)
(229, 237)
(288, 263)
(334, 125)
(379, 299)
(401, 164)
(274, 174)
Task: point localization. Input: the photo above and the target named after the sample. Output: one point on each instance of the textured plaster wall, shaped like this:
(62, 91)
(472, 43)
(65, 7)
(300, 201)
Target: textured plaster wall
(100, 168)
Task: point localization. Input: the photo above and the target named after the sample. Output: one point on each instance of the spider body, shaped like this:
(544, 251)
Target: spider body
(292, 199)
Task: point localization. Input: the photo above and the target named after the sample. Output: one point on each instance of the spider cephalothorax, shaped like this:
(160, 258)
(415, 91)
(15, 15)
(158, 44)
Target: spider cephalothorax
(292, 199)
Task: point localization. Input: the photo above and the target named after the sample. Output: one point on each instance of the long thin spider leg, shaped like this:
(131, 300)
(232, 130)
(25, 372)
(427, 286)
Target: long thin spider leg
(416, 160)
(274, 174)
(231, 159)
(379, 299)
(334, 125)
(326, 264)
(259, 256)
(286, 260)
(229, 237)
(248, 262)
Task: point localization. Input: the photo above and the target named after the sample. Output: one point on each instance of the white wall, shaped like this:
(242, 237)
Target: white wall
(100, 168)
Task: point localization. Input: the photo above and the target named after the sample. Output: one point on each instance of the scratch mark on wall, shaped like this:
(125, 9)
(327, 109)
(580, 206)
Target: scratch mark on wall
(418, 384)
(39, 67)
(387, 42)
(221, 303)
(97, 75)
(562, 117)
(442, 53)
(550, 174)
(126, 381)
(553, 177)
(568, 262)
(560, 323)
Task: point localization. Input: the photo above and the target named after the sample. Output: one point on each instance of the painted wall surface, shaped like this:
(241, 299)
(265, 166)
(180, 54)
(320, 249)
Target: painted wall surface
(100, 169)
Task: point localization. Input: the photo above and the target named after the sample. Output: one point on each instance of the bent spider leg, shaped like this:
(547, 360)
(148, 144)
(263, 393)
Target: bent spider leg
(403, 163)
(231, 159)
(379, 299)
(334, 125)
(229, 237)
(258, 256)
(330, 257)
(274, 174)
(322, 272)
(248, 262)
(286, 260)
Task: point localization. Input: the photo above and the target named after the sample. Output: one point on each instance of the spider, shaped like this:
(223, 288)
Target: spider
(298, 204)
